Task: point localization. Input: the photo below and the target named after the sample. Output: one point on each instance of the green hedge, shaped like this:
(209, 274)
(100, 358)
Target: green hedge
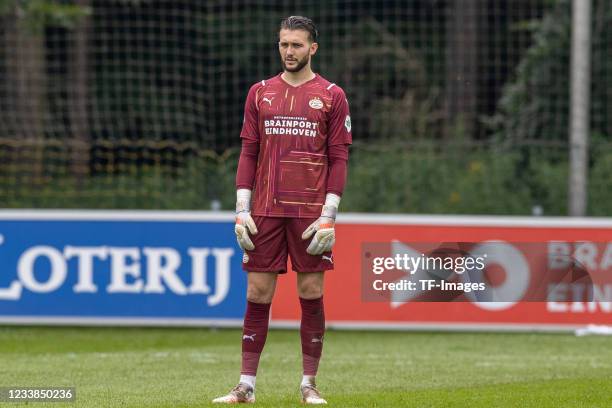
(422, 179)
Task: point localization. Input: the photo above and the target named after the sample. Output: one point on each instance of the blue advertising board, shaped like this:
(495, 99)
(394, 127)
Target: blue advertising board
(115, 267)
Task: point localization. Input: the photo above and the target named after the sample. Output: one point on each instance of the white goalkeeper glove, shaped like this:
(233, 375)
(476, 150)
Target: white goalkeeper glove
(244, 221)
(323, 227)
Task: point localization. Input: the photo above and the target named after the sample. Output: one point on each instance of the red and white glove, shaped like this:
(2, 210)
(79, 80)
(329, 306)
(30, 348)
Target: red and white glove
(323, 228)
(244, 221)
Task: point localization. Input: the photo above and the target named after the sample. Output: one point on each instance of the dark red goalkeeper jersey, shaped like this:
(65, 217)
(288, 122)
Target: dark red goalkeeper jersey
(294, 126)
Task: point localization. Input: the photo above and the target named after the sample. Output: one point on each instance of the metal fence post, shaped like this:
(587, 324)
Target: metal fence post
(580, 83)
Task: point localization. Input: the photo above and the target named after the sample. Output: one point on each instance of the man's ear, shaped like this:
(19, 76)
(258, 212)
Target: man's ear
(313, 48)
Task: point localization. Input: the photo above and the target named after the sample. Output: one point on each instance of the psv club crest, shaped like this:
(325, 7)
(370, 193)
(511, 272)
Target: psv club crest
(315, 103)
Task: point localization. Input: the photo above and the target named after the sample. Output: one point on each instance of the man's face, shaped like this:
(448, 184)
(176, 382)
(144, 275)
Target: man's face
(295, 49)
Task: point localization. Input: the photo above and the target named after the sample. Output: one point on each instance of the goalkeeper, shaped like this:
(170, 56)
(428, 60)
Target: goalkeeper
(291, 174)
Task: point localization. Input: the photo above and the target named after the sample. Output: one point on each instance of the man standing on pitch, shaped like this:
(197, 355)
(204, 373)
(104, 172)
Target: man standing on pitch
(291, 174)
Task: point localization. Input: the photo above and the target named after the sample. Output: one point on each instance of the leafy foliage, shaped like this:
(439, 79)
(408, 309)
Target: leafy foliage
(419, 179)
(38, 14)
(540, 91)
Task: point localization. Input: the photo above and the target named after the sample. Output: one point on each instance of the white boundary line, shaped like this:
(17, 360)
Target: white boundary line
(438, 326)
(288, 324)
(353, 218)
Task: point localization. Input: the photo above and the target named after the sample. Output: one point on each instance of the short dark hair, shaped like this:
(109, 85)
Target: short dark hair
(301, 23)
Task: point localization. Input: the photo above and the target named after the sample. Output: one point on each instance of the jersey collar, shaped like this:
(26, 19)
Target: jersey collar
(280, 76)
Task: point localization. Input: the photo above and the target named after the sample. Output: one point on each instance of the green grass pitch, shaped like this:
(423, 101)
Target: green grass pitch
(140, 367)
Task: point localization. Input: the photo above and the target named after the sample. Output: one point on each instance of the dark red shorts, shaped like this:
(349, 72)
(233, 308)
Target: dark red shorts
(276, 239)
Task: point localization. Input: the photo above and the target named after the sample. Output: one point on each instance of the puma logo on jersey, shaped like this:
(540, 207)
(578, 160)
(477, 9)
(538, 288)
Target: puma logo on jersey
(317, 340)
(268, 100)
(327, 258)
(251, 337)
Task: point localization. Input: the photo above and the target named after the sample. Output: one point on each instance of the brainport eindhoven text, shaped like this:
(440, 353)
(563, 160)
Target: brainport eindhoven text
(288, 125)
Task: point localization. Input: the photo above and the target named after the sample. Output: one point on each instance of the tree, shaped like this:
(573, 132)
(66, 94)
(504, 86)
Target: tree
(462, 66)
(26, 75)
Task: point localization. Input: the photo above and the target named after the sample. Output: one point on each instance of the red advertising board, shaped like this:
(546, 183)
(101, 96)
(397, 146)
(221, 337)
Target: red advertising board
(345, 306)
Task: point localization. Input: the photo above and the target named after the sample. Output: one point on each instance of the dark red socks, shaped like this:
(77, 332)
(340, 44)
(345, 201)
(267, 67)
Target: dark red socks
(312, 329)
(254, 334)
(255, 330)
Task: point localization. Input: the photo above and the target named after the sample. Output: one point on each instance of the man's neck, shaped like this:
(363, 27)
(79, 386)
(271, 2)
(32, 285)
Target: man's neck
(298, 78)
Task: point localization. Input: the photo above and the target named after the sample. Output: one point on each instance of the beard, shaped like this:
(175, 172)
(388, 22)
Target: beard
(298, 67)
